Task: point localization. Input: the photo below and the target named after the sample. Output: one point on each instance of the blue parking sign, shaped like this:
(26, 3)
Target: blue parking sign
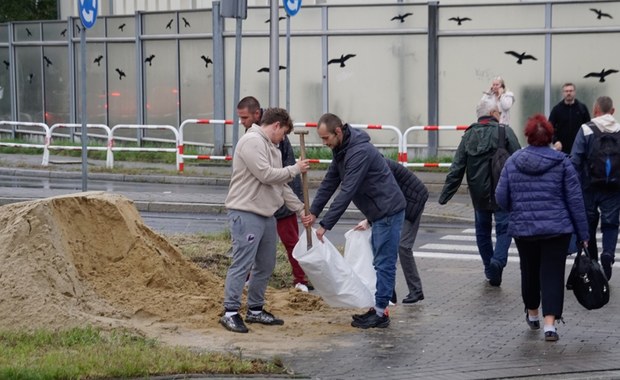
(88, 10)
(292, 6)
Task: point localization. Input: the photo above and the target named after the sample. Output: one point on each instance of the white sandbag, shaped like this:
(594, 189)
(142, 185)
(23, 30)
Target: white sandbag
(332, 277)
(358, 254)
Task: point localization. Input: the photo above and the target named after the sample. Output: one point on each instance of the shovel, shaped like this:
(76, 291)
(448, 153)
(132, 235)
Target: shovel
(304, 180)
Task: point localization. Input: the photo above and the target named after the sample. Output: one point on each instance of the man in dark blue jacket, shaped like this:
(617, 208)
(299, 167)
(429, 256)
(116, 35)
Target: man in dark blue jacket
(364, 178)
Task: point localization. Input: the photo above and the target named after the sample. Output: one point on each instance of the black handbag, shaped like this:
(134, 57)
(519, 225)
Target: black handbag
(587, 280)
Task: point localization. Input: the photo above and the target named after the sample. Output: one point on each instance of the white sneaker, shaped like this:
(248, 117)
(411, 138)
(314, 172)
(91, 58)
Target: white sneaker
(301, 287)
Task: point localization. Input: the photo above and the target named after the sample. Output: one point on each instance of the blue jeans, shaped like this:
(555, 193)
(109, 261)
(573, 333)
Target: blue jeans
(484, 225)
(385, 238)
(606, 206)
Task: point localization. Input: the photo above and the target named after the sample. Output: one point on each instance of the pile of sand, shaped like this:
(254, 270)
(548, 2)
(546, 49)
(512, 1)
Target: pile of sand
(88, 258)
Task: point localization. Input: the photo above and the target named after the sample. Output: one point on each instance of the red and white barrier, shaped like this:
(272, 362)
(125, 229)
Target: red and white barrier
(403, 152)
(112, 148)
(26, 124)
(358, 126)
(181, 145)
(48, 140)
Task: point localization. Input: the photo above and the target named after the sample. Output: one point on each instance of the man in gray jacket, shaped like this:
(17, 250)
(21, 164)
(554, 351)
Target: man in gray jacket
(258, 187)
(364, 179)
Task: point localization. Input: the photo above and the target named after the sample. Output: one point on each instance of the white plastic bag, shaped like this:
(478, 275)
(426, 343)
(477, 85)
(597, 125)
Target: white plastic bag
(332, 277)
(358, 254)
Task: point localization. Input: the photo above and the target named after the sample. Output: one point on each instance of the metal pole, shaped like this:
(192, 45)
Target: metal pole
(72, 78)
(548, 57)
(433, 76)
(288, 63)
(12, 78)
(324, 58)
(84, 136)
(237, 84)
(274, 57)
(218, 79)
(140, 79)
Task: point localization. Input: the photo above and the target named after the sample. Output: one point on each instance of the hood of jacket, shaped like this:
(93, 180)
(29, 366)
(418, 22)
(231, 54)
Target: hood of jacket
(351, 137)
(539, 160)
(481, 136)
(606, 123)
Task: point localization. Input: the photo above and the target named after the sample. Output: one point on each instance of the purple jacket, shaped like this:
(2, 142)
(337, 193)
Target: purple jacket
(540, 188)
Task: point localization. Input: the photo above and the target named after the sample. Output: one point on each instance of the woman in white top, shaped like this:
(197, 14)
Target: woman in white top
(502, 97)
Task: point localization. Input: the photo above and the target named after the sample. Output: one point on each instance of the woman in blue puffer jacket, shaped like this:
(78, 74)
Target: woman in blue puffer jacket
(540, 189)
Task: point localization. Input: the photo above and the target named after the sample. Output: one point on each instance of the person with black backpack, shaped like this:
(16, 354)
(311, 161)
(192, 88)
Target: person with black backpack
(596, 156)
(481, 154)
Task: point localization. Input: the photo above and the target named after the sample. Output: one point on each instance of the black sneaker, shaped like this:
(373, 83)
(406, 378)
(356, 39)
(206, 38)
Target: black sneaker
(606, 262)
(394, 298)
(372, 321)
(359, 317)
(234, 323)
(495, 273)
(411, 299)
(551, 336)
(264, 317)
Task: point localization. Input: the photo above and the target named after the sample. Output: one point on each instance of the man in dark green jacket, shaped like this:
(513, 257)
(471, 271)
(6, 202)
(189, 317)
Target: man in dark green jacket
(473, 157)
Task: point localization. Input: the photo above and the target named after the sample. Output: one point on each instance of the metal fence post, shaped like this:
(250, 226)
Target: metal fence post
(219, 92)
(548, 56)
(433, 75)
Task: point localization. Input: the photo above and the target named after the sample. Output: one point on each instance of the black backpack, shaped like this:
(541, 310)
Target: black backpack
(498, 159)
(604, 160)
(587, 280)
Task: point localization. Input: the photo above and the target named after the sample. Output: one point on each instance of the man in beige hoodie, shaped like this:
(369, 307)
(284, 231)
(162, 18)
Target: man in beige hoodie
(596, 156)
(258, 187)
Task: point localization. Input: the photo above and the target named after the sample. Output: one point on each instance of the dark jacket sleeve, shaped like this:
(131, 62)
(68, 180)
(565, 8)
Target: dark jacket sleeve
(455, 176)
(574, 200)
(502, 191)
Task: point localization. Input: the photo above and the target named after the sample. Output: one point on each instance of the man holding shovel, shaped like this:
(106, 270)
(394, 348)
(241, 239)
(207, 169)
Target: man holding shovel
(258, 187)
(364, 178)
(249, 112)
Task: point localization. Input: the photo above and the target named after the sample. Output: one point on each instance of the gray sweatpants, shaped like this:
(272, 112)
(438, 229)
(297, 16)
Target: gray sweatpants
(254, 241)
(405, 254)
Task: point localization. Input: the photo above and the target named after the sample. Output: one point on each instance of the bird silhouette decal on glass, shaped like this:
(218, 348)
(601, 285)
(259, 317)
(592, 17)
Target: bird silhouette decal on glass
(459, 20)
(169, 24)
(186, 23)
(121, 73)
(121, 27)
(149, 59)
(401, 18)
(266, 69)
(78, 28)
(30, 76)
(206, 59)
(64, 32)
(28, 32)
(6, 64)
(47, 61)
(279, 19)
(601, 76)
(520, 57)
(600, 13)
(98, 60)
(343, 58)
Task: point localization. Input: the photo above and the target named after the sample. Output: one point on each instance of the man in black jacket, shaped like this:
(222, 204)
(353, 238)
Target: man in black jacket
(365, 179)
(567, 117)
(416, 195)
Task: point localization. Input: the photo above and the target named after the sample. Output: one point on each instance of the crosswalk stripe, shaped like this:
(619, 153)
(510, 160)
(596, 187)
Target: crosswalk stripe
(458, 247)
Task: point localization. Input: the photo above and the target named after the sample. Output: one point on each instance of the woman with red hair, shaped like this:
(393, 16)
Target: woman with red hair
(540, 189)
